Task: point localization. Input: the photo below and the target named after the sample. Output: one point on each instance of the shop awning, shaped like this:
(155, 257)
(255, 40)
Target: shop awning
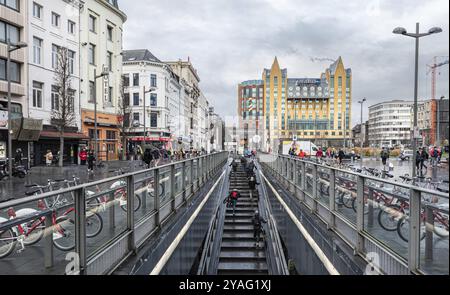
(141, 138)
(67, 135)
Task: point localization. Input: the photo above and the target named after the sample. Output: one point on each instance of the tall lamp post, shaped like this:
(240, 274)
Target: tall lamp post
(438, 137)
(417, 35)
(103, 74)
(152, 89)
(10, 48)
(361, 137)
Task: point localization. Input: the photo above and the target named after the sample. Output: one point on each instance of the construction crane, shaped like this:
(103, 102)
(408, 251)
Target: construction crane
(432, 69)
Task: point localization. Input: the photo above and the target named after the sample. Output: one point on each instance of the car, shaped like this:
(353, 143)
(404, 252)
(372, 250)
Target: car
(406, 155)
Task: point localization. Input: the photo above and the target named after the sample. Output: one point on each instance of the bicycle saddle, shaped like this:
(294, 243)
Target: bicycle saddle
(31, 185)
(389, 175)
(32, 192)
(57, 180)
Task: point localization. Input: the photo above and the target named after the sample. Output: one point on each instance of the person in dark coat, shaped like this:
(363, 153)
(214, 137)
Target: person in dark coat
(91, 161)
(257, 227)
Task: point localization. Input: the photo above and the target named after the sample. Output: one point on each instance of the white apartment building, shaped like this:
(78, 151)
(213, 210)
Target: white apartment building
(164, 106)
(53, 24)
(390, 123)
(101, 31)
(216, 131)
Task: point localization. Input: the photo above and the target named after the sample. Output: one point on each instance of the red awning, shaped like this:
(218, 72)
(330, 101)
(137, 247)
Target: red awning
(68, 135)
(141, 138)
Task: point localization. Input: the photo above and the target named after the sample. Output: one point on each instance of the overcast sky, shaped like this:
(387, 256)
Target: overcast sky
(229, 41)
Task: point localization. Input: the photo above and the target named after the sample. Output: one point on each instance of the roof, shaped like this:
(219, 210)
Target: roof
(139, 55)
(307, 88)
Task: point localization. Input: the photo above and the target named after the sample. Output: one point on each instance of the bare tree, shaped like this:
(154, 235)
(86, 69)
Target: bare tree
(123, 117)
(63, 114)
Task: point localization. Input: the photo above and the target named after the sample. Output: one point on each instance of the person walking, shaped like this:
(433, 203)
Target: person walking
(18, 157)
(340, 156)
(319, 154)
(384, 156)
(234, 165)
(421, 157)
(231, 199)
(301, 154)
(48, 158)
(257, 227)
(250, 168)
(91, 159)
(252, 183)
(83, 156)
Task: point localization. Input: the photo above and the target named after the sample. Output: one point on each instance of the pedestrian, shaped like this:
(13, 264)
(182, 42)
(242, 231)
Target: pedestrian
(340, 156)
(231, 200)
(257, 227)
(439, 154)
(252, 183)
(91, 159)
(83, 156)
(147, 157)
(353, 155)
(421, 157)
(48, 158)
(301, 154)
(234, 165)
(250, 168)
(384, 156)
(434, 156)
(319, 154)
(18, 157)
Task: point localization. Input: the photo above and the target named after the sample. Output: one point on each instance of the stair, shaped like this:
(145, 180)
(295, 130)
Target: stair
(238, 253)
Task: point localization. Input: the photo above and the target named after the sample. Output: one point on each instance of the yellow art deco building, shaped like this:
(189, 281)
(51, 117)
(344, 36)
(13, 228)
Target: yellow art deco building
(314, 109)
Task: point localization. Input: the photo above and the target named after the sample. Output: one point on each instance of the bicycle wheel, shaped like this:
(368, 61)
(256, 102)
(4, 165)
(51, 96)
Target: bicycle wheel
(403, 229)
(161, 190)
(36, 235)
(137, 203)
(7, 242)
(366, 206)
(94, 224)
(324, 189)
(64, 233)
(389, 216)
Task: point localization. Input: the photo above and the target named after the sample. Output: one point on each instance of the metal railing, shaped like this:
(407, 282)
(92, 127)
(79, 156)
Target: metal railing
(349, 202)
(125, 223)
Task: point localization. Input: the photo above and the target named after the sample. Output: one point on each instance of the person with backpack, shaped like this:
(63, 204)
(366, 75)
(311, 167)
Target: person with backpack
(252, 183)
(384, 156)
(257, 227)
(234, 165)
(340, 156)
(231, 199)
(250, 168)
(91, 160)
(147, 157)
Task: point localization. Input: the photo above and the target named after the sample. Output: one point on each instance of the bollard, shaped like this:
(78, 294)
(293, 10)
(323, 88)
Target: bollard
(429, 233)
(80, 228)
(130, 212)
(370, 212)
(48, 241)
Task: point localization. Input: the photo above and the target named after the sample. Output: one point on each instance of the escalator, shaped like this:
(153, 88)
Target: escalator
(239, 253)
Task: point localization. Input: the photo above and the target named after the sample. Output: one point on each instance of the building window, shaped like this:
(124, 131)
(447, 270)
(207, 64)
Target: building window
(92, 93)
(136, 79)
(37, 94)
(71, 99)
(9, 32)
(153, 120)
(55, 97)
(91, 54)
(13, 4)
(55, 19)
(55, 49)
(92, 23)
(37, 50)
(153, 99)
(15, 71)
(110, 135)
(126, 80)
(71, 55)
(110, 95)
(109, 31)
(339, 81)
(135, 99)
(71, 27)
(153, 80)
(109, 57)
(136, 117)
(37, 10)
(92, 133)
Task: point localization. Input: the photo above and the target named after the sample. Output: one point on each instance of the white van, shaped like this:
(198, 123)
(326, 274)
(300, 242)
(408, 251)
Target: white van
(307, 146)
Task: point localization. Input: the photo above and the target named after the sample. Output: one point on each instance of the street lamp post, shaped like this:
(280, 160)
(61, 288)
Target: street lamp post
(438, 135)
(416, 35)
(10, 48)
(361, 133)
(103, 74)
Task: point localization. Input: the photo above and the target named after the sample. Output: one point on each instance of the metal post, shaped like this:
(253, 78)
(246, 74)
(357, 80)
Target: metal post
(157, 198)
(414, 230)
(48, 241)
(95, 116)
(183, 179)
(192, 178)
(80, 229)
(371, 211)
(143, 102)
(314, 188)
(416, 82)
(359, 247)
(130, 212)
(8, 74)
(296, 175)
(429, 233)
(361, 133)
(172, 186)
(332, 203)
(112, 213)
(303, 173)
